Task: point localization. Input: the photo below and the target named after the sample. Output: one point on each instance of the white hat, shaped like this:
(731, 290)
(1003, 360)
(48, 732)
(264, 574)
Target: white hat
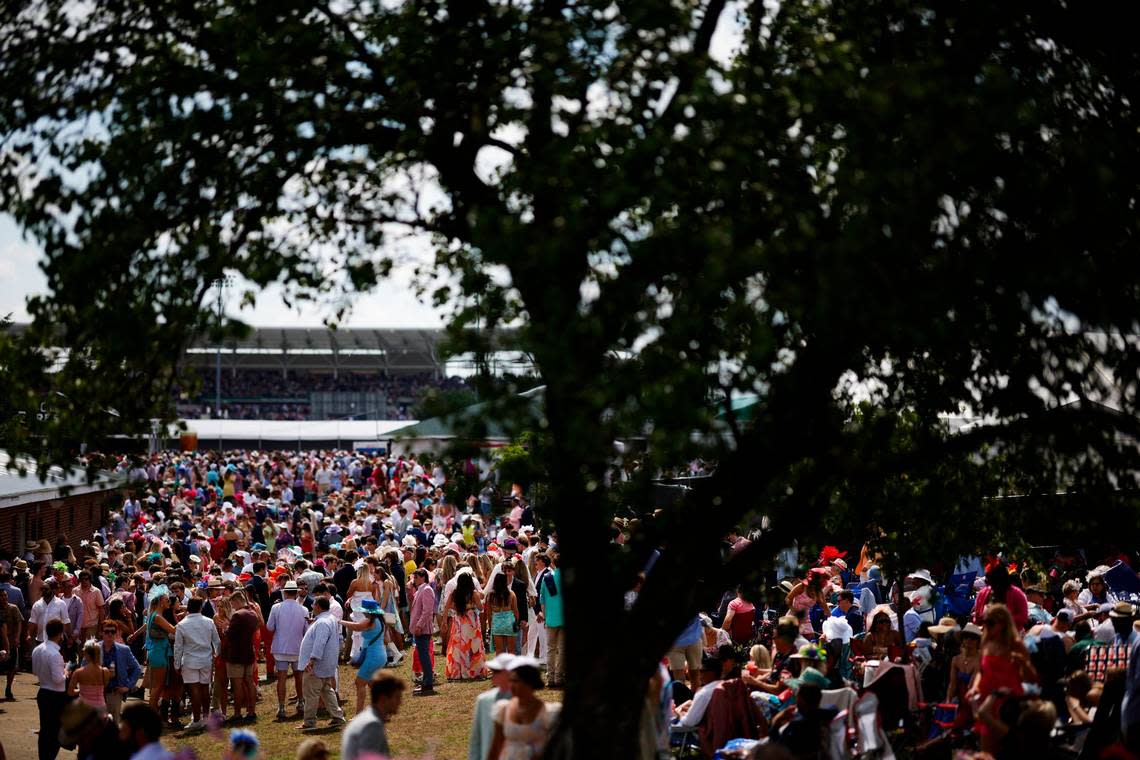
(290, 586)
(922, 575)
(196, 559)
(409, 542)
(837, 629)
(524, 661)
(501, 661)
(439, 541)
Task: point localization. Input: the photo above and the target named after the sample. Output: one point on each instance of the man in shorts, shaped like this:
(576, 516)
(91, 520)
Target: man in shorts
(288, 620)
(196, 642)
(687, 651)
(238, 655)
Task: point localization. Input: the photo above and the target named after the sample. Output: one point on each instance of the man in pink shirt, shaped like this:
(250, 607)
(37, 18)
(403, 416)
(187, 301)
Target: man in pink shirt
(421, 620)
(94, 609)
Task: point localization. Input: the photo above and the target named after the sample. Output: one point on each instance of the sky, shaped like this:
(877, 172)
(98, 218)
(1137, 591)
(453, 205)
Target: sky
(391, 304)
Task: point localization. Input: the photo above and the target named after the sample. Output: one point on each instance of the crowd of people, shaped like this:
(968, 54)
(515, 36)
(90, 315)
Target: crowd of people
(223, 571)
(992, 659)
(250, 394)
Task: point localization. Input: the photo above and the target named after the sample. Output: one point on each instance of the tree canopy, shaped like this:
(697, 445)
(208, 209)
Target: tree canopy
(929, 207)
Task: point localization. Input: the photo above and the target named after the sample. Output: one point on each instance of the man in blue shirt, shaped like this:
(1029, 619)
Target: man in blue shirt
(320, 649)
(126, 667)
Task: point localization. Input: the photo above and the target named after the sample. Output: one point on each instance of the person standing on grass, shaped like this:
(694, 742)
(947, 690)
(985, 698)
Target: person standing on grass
(288, 620)
(238, 655)
(422, 618)
(50, 671)
(196, 642)
(365, 735)
(94, 607)
(550, 603)
(12, 623)
(482, 721)
(318, 658)
(126, 668)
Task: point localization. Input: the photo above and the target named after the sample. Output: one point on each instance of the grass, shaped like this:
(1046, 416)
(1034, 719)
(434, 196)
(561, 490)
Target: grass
(429, 727)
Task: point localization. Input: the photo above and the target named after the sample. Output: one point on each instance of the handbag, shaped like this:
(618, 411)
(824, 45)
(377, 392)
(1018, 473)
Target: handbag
(358, 659)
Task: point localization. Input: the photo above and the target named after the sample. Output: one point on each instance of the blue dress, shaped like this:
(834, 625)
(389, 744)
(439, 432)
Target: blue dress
(375, 655)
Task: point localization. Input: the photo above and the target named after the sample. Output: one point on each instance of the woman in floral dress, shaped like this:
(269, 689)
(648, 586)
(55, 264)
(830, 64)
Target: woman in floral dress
(465, 656)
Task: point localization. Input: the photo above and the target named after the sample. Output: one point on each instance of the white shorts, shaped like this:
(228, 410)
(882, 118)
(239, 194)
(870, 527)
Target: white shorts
(197, 675)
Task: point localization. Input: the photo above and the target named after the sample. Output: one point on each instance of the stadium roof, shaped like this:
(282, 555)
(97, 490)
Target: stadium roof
(398, 351)
(393, 350)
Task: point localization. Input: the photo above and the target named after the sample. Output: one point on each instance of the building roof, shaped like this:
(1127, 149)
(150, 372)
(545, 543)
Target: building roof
(17, 489)
(451, 426)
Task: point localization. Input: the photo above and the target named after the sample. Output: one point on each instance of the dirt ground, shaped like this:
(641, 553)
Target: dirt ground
(20, 720)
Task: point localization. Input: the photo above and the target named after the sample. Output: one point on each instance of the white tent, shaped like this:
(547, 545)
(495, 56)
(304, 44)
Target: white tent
(282, 433)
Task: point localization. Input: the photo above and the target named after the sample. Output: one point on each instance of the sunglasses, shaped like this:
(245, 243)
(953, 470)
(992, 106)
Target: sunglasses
(111, 631)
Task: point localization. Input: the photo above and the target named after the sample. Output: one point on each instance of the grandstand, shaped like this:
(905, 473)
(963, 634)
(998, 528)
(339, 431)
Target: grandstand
(298, 373)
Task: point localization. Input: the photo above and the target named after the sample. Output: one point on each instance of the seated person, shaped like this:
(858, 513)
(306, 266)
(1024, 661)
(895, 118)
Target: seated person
(801, 728)
(689, 714)
(1081, 698)
(783, 647)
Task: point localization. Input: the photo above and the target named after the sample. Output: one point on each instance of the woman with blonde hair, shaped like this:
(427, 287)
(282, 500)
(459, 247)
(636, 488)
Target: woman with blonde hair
(89, 681)
(760, 657)
(1004, 667)
(360, 589)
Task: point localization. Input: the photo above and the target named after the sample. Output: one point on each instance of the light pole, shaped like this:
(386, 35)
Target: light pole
(221, 283)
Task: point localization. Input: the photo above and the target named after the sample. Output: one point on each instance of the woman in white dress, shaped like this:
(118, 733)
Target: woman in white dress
(360, 589)
(522, 723)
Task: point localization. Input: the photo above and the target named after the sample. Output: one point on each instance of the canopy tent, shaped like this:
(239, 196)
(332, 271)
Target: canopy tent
(436, 431)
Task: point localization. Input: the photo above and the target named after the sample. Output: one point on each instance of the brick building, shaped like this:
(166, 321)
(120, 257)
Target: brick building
(66, 505)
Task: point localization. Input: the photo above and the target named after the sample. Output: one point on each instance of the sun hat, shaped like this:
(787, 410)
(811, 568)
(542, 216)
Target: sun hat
(1070, 586)
(970, 629)
(371, 607)
(811, 652)
(409, 542)
(1097, 572)
(837, 629)
(290, 586)
(922, 575)
(945, 625)
(1122, 610)
(77, 717)
(524, 661)
(501, 661)
(809, 677)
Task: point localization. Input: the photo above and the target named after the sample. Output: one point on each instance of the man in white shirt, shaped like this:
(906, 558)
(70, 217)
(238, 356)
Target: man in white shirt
(50, 670)
(49, 607)
(288, 620)
(692, 712)
(196, 643)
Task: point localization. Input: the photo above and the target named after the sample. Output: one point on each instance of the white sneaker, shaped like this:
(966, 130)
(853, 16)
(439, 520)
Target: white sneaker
(396, 659)
(196, 725)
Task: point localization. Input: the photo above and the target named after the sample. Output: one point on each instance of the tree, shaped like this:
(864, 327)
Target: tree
(928, 206)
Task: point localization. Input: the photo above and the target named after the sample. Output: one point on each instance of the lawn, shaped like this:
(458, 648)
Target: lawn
(429, 727)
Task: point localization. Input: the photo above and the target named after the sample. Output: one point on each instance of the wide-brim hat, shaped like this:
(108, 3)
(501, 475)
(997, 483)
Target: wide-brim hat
(501, 661)
(945, 625)
(1122, 610)
(42, 547)
(409, 542)
(809, 677)
(970, 629)
(1097, 572)
(77, 717)
(921, 575)
(371, 607)
(20, 564)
